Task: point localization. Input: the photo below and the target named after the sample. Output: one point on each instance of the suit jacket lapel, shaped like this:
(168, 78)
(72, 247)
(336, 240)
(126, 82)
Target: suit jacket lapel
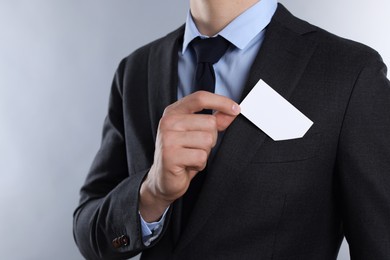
(163, 75)
(280, 62)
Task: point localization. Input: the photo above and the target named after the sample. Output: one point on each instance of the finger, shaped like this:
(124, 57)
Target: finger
(191, 159)
(190, 139)
(189, 122)
(223, 120)
(204, 100)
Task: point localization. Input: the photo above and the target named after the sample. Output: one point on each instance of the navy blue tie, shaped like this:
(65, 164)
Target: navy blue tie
(208, 51)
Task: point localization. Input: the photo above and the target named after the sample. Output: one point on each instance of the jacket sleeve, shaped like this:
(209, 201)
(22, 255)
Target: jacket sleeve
(106, 223)
(364, 164)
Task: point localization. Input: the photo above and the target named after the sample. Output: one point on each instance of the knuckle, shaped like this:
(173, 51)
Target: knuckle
(201, 157)
(208, 139)
(167, 121)
(202, 160)
(200, 96)
(163, 122)
(173, 108)
(168, 109)
(212, 122)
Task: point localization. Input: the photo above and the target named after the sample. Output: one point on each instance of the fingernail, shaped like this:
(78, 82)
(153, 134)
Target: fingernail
(236, 108)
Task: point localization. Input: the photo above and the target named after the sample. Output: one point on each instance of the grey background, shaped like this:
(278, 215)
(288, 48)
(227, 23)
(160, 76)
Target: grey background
(57, 60)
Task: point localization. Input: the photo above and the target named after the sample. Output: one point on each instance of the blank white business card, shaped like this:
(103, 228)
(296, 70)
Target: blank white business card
(273, 114)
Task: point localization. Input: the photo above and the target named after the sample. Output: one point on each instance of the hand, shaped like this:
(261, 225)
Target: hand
(183, 144)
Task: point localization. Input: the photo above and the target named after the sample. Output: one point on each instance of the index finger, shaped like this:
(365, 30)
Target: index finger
(201, 100)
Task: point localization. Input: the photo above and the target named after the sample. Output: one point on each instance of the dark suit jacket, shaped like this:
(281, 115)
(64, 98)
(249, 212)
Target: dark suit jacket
(261, 199)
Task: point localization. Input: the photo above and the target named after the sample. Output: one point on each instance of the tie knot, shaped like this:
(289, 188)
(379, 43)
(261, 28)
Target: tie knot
(210, 49)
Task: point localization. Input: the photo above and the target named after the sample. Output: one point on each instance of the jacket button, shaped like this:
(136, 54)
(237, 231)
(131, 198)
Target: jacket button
(116, 243)
(124, 240)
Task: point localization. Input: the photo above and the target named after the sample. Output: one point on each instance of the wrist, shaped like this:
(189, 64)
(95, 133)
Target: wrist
(151, 206)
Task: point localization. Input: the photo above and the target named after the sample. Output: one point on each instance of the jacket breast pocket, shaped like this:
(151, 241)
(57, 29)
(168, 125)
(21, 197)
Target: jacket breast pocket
(288, 150)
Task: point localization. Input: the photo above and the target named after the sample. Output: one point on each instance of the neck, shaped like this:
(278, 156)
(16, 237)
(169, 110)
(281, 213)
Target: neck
(211, 16)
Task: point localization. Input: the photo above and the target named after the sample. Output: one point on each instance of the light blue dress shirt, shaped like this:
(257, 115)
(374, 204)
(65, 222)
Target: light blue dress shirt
(246, 34)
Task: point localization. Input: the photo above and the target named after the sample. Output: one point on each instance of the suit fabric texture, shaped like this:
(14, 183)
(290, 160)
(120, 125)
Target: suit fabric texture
(261, 199)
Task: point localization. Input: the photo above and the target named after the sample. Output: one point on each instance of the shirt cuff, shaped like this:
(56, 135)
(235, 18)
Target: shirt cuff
(150, 231)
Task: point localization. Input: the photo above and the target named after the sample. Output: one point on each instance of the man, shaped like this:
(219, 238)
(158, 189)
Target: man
(176, 183)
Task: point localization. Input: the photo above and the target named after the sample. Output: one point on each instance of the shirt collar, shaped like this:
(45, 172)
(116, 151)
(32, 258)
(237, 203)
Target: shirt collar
(242, 29)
